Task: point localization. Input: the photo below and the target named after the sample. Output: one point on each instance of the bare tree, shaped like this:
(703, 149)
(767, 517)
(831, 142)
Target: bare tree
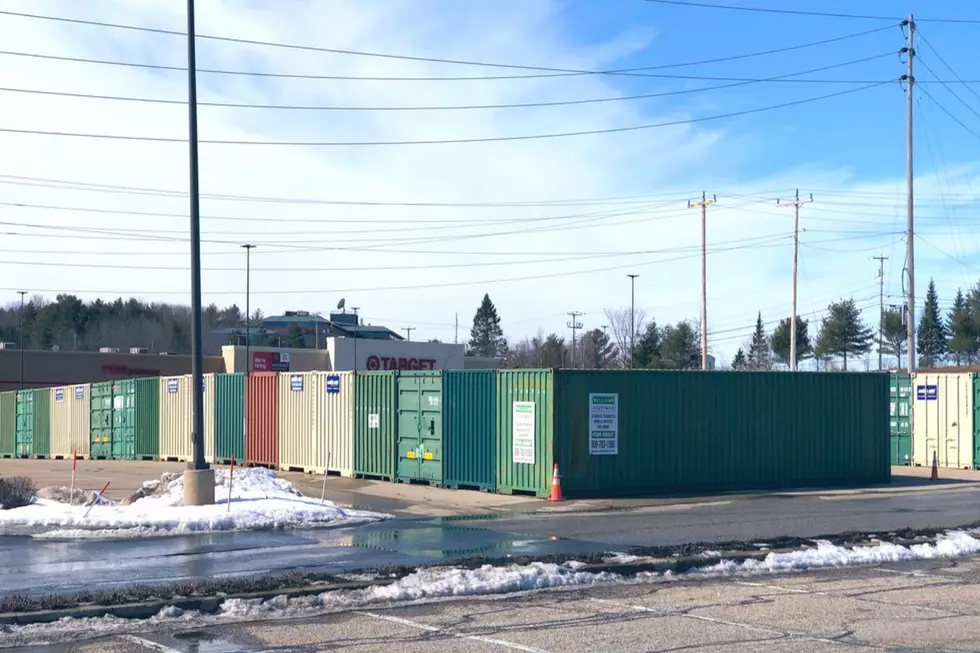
(619, 324)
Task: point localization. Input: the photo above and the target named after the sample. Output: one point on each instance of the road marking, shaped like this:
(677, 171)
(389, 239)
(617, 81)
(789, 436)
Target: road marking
(435, 629)
(145, 643)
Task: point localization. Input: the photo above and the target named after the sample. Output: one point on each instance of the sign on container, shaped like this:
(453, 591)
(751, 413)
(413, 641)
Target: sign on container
(927, 392)
(374, 421)
(333, 384)
(79, 392)
(523, 419)
(173, 385)
(59, 394)
(296, 382)
(603, 424)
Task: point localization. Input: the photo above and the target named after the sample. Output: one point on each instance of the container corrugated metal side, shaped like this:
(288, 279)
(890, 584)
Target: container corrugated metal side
(8, 424)
(334, 421)
(525, 399)
(42, 422)
(693, 432)
(25, 424)
(976, 421)
(100, 442)
(470, 429)
(71, 421)
(229, 418)
(209, 406)
(146, 402)
(419, 434)
(299, 449)
(900, 410)
(176, 424)
(262, 419)
(374, 425)
(942, 419)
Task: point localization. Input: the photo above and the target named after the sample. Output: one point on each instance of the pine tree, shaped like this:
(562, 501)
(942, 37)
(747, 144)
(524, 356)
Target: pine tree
(486, 336)
(933, 343)
(598, 350)
(294, 338)
(739, 363)
(679, 347)
(647, 354)
(964, 339)
(843, 333)
(894, 335)
(780, 340)
(760, 358)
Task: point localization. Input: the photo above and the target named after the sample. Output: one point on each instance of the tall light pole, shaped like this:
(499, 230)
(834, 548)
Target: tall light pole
(22, 341)
(355, 309)
(248, 307)
(199, 477)
(909, 199)
(632, 316)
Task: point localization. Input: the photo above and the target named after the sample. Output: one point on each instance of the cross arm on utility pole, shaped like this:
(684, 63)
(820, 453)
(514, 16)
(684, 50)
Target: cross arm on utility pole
(703, 204)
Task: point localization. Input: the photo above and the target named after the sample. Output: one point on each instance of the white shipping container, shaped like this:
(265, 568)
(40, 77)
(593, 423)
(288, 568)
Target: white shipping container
(71, 421)
(177, 417)
(942, 419)
(299, 448)
(335, 421)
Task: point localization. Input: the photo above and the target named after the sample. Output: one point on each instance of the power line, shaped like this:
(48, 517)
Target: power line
(951, 91)
(929, 45)
(738, 82)
(799, 12)
(457, 141)
(949, 113)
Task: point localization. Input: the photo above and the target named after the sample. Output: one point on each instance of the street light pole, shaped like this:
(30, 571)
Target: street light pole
(632, 316)
(354, 308)
(22, 341)
(248, 307)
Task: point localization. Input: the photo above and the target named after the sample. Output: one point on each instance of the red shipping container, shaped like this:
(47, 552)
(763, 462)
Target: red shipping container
(262, 419)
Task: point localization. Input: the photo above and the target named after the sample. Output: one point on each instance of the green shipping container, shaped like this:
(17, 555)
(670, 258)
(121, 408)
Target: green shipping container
(470, 429)
(374, 425)
(42, 422)
(101, 421)
(900, 408)
(525, 431)
(136, 419)
(418, 405)
(8, 424)
(229, 418)
(25, 424)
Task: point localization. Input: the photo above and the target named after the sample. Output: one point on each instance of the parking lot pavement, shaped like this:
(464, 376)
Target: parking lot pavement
(929, 606)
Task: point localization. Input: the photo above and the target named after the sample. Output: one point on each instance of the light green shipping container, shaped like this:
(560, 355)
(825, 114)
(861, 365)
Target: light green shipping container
(374, 425)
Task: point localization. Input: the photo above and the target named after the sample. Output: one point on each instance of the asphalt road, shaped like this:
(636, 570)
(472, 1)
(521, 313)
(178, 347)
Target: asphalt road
(931, 606)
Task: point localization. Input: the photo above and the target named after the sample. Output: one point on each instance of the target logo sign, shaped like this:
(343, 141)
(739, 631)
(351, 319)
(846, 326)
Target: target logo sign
(397, 363)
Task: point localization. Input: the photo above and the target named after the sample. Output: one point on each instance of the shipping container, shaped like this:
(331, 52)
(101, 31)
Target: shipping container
(374, 425)
(418, 408)
(71, 421)
(942, 419)
(335, 420)
(8, 424)
(210, 399)
(262, 419)
(25, 424)
(632, 433)
(229, 418)
(176, 423)
(900, 402)
(976, 421)
(525, 431)
(299, 448)
(42, 422)
(100, 447)
(470, 429)
(136, 419)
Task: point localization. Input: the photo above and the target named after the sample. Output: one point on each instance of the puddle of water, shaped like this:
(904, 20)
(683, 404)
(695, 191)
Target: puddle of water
(198, 641)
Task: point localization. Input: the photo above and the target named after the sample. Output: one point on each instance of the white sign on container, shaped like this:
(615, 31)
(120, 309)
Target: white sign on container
(523, 432)
(603, 424)
(374, 421)
(59, 394)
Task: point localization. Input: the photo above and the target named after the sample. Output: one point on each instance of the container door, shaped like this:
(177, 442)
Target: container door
(901, 419)
(430, 428)
(124, 421)
(409, 427)
(25, 424)
(101, 403)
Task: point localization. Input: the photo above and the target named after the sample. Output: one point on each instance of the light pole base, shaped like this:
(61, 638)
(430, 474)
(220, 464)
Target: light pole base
(198, 487)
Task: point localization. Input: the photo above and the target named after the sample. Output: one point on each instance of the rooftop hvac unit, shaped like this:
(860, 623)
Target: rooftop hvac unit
(109, 350)
(139, 350)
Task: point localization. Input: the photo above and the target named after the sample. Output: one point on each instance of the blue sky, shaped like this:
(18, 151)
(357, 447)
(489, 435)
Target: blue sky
(410, 265)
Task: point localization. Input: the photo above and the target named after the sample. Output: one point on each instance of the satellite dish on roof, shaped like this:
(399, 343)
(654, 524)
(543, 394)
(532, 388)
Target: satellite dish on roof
(341, 304)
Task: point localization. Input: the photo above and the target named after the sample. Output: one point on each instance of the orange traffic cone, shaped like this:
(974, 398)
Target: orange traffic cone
(935, 467)
(555, 486)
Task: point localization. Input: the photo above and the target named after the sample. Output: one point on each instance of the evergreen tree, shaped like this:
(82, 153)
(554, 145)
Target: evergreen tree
(554, 353)
(647, 353)
(679, 348)
(598, 350)
(843, 333)
(760, 358)
(294, 338)
(780, 340)
(933, 343)
(486, 336)
(894, 334)
(964, 339)
(740, 362)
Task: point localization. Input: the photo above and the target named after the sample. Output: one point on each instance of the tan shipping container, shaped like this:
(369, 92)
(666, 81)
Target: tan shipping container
(299, 448)
(942, 419)
(176, 418)
(335, 421)
(71, 421)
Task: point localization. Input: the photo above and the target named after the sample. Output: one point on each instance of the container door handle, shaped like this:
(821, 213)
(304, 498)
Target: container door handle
(432, 427)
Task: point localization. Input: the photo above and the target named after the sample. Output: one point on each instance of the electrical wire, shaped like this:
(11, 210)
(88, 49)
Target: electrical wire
(949, 113)
(739, 82)
(800, 12)
(458, 141)
(929, 45)
(951, 91)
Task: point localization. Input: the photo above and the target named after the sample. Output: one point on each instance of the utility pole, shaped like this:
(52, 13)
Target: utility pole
(910, 204)
(881, 305)
(408, 331)
(23, 343)
(248, 307)
(796, 203)
(703, 203)
(632, 317)
(574, 325)
(356, 326)
(456, 332)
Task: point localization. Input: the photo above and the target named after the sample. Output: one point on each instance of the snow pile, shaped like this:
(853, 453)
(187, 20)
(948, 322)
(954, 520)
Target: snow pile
(259, 500)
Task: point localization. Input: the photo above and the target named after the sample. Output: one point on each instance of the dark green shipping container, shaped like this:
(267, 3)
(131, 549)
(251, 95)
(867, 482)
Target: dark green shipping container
(136, 419)
(42, 422)
(419, 434)
(25, 424)
(101, 420)
(8, 424)
(374, 425)
(229, 418)
(900, 409)
(470, 429)
(525, 431)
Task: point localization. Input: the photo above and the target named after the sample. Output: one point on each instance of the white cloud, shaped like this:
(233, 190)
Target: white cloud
(659, 162)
